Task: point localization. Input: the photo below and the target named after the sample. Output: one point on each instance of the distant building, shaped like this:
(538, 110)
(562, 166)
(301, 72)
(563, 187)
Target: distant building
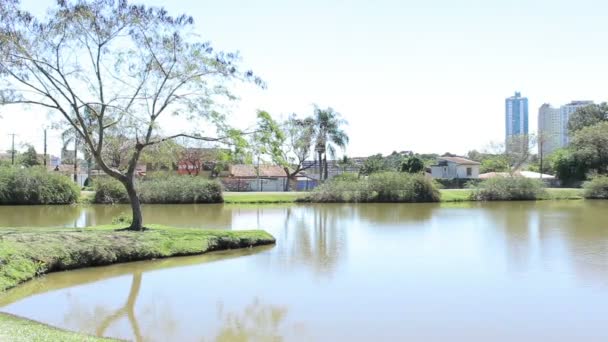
(455, 167)
(553, 125)
(516, 117)
(567, 110)
(550, 129)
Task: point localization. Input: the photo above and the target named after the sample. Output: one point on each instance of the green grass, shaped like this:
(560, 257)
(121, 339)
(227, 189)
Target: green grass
(86, 197)
(28, 252)
(455, 195)
(18, 329)
(262, 197)
(462, 195)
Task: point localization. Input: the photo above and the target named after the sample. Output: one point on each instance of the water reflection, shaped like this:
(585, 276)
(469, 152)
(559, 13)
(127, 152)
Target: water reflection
(39, 215)
(478, 271)
(128, 309)
(256, 322)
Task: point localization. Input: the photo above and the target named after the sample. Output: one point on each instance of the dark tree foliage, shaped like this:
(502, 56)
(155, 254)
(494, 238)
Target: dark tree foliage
(587, 116)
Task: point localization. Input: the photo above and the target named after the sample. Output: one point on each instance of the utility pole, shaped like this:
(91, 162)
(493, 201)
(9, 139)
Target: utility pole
(45, 148)
(13, 150)
(76, 159)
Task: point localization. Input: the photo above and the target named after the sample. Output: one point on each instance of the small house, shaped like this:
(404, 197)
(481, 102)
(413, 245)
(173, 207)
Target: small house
(455, 167)
(255, 178)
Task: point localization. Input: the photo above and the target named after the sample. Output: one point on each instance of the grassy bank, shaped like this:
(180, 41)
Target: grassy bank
(462, 195)
(28, 252)
(262, 197)
(447, 195)
(18, 329)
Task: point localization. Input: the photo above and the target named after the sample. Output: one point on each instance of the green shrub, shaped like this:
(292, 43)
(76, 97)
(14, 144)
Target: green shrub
(508, 189)
(35, 185)
(180, 189)
(379, 187)
(171, 189)
(109, 191)
(596, 188)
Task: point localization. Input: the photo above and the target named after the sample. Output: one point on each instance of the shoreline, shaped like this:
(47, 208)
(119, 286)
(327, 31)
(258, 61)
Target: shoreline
(27, 253)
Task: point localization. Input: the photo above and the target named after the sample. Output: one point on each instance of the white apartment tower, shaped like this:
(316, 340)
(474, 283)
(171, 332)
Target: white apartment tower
(549, 129)
(553, 125)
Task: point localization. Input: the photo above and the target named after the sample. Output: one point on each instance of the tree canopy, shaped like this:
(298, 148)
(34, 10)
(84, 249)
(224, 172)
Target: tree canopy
(587, 116)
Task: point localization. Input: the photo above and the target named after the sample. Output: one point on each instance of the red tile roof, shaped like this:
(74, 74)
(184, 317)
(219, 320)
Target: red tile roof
(249, 171)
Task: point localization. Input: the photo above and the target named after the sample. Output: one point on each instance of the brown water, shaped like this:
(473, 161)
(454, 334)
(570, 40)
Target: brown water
(519, 271)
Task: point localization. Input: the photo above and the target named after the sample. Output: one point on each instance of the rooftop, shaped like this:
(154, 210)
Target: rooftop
(459, 160)
(249, 171)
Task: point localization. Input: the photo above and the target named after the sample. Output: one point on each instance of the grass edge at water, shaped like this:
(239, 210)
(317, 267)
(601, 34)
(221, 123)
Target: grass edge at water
(26, 253)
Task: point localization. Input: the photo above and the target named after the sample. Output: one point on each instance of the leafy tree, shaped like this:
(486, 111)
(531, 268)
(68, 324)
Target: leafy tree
(329, 135)
(123, 65)
(288, 144)
(412, 164)
(475, 155)
(345, 163)
(587, 116)
(372, 164)
(567, 169)
(590, 147)
(515, 153)
(494, 163)
(29, 157)
(393, 161)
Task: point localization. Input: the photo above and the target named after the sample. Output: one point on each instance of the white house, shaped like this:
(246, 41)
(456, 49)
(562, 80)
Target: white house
(455, 167)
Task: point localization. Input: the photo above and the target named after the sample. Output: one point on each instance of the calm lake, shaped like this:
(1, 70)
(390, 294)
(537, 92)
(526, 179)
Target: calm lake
(518, 271)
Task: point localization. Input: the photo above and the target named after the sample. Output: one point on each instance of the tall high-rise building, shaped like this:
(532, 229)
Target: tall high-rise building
(567, 110)
(516, 117)
(549, 129)
(553, 125)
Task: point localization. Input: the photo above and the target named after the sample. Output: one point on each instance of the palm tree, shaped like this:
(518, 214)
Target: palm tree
(329, 135)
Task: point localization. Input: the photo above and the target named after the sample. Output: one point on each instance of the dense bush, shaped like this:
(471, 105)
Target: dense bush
(109, 191)
(380, 187)
(180, 189)
(161, 190)
(508, 189)
(596, 188)
(36, 185)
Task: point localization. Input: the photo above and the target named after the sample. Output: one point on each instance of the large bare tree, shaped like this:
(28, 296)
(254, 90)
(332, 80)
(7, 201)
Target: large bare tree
(104, 63)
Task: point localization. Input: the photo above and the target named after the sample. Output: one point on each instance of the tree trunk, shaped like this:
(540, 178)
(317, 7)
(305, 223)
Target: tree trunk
(286, 186)
(137, 223)
(320, 166)
(325, 165)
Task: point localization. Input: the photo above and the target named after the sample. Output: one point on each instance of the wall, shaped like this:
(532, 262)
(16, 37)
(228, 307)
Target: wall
(253, 184)
(453, 170)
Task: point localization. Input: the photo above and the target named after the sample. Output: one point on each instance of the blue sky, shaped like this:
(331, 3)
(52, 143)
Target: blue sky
(428, 76)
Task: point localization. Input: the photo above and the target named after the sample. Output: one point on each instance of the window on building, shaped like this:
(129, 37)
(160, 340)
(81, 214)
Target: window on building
(469, 171)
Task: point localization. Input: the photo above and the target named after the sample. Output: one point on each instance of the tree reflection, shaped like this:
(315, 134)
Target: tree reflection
(396, 214)
(257, 322)
(127, 309)
(314, 237)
